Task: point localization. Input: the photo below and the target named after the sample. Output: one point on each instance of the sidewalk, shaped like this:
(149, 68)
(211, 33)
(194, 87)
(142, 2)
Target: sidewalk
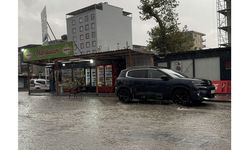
(221, 98)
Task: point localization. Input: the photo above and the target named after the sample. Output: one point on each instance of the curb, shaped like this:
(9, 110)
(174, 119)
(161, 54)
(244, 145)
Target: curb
(221, 101)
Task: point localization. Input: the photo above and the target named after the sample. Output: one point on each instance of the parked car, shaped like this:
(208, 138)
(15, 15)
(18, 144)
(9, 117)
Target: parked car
(161, 83)
(40, 84)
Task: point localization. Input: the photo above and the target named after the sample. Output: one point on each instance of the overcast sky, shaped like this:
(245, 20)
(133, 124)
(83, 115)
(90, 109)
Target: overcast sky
(198, 15)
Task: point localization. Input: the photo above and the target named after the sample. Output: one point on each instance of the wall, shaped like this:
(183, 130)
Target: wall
(140, 60)
(208, 68)
(183, 66)
(213, 64)
(114, 31)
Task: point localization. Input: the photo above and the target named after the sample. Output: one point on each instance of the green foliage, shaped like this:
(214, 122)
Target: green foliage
(166, 37)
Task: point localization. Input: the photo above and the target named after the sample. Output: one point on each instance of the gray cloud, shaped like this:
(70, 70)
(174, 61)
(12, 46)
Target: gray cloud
(198, 15)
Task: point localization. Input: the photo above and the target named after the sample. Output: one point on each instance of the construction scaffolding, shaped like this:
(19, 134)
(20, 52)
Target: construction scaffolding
(224, 22)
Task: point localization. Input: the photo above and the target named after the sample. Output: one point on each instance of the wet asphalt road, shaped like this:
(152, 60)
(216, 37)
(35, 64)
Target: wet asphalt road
(94, 123)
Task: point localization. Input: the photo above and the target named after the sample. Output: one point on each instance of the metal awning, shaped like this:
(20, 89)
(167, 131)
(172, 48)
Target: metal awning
(106, 55)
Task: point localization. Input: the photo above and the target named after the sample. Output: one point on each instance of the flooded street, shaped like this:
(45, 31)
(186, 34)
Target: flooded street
(92, 122)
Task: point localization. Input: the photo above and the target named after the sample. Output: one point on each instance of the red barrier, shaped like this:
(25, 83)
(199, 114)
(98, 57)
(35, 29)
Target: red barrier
(222, 86)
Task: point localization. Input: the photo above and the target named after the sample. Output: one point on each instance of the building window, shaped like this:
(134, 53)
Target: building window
(73, 22)
(92, 16)
(92, 25)
(93, 43)
(74, 38)
(87, 44)
(86, 18)
(74, 30)
(87, 35)
(80, 19)
(81, 37)
(86, 27)
(81, 28)
(82, 45)
(93, 34)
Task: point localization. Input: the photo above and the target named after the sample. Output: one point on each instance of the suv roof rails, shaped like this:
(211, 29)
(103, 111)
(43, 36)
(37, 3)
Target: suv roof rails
(133, 67)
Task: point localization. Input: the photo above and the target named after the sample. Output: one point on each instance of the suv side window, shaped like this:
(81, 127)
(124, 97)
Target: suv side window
(137, 73)
(41, 82)
(155, 74)
(122, 74)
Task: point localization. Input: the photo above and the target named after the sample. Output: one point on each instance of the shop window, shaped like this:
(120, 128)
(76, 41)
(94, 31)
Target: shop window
(93, 76)
(87, 75)
(100, 75)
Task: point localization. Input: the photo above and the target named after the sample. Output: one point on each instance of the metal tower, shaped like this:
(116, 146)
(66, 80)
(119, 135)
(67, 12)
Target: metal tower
(224, 22)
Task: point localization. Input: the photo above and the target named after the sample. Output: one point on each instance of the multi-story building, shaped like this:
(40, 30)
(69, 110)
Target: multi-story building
(198, 40)
(99, 27)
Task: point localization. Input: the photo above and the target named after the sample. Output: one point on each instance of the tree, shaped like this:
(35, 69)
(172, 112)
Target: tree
(166, 37)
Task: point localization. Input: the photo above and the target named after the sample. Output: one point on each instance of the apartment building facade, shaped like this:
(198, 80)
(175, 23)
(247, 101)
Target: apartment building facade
(99, 27)
(198, 40)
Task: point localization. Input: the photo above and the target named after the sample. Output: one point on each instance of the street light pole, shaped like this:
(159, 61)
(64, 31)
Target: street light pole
(28, 78)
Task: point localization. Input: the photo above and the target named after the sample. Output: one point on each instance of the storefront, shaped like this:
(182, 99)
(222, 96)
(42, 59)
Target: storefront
(95, 72)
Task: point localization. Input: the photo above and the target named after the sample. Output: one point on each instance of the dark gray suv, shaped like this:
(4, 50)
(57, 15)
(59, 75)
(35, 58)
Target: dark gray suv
(163, 84)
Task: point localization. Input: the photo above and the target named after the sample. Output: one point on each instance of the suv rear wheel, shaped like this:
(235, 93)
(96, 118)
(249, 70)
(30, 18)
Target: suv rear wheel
(181, 96)
(124, 95)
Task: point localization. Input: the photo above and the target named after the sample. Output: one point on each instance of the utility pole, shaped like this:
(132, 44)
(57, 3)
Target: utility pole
(129, 53)
(28, 82)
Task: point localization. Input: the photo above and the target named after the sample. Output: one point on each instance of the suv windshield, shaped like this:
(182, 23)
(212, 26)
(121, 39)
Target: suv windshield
(173, 73)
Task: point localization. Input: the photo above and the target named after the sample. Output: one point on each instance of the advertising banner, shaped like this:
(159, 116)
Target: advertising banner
(49, 52)
(44, 26)
(222, 86)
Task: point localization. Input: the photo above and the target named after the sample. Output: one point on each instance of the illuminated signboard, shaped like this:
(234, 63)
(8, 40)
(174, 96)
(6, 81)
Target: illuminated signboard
(49, 52)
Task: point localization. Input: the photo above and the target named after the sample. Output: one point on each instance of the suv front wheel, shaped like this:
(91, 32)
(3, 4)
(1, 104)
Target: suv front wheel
(181, 96)
(124, 95)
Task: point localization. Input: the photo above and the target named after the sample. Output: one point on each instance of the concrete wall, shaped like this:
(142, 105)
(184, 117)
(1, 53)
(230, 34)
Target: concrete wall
(114, 30)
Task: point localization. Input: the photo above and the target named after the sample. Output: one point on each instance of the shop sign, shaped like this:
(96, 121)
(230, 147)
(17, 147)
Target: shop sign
(49, 52)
